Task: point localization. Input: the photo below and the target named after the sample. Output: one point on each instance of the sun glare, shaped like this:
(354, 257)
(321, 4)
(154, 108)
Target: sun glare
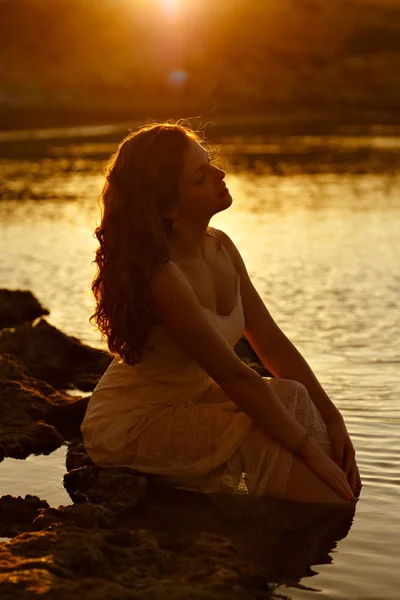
(170, 7)
(170, 4)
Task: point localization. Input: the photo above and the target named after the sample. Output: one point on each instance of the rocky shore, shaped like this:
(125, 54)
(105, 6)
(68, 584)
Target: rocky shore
(122, 536)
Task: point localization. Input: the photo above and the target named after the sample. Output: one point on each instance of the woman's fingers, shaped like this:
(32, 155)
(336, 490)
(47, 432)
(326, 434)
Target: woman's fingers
(319, 462)
(358, 478)
(359, 482)
(348, 491)
(350, 466)
(338, 482)
(352, 476)
(345, 487)
(348, 457)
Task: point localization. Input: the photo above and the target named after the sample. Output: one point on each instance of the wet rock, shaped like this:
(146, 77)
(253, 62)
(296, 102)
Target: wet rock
(68, 561)
(101, 484)
(61, 360)
(137, 502)
(12, 369)
(164, 508)
(77, 456)
(86, 382)
(67, 416)
(17, 306)
(17, 514)
(87, 515)
(34, 418)
(248, 356)
(38, 438)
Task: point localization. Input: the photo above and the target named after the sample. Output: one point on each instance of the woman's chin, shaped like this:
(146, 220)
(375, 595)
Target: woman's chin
(228, 200)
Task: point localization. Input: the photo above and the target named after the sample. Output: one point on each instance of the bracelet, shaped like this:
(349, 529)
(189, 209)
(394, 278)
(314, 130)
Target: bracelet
(303, 443)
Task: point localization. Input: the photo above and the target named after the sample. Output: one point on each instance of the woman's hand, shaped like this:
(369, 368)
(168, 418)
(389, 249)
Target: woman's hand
(343, 450)
(322, 465)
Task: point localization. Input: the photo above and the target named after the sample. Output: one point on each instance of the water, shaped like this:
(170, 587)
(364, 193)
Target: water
(321, 243)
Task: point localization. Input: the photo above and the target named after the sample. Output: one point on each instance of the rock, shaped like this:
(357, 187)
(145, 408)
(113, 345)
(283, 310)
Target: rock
(105, 484)
(67, 417)
(52, 356)
(135, 499)
(259, 527)
(284, 538)
(138, 502)
(88, 515)
(17, 306)
(68, 562)
(22, 427)
(38, 438)
(77, 456)
(17, 514)
(86, 382)
(12, 369)
(34, 418)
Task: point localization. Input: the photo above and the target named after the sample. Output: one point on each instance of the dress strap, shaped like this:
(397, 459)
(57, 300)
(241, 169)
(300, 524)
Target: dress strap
(177, 268)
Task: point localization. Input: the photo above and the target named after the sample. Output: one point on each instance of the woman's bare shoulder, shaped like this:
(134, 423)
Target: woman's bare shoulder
(223, 238)
(165, 278)
(231, 249)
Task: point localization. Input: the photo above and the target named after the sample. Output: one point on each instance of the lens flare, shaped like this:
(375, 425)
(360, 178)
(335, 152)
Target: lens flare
(177, 78)
(170, 7)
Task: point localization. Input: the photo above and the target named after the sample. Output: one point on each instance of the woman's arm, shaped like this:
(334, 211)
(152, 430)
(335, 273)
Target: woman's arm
(184, 318)
(182, 315)
(274, 349)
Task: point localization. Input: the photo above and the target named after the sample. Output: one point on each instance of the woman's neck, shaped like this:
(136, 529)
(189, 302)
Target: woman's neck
(189, 241)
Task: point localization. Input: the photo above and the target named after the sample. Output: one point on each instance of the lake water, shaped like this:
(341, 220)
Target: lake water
(321, 242)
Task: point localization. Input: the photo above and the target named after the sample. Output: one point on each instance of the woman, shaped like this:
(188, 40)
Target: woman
(172, 298)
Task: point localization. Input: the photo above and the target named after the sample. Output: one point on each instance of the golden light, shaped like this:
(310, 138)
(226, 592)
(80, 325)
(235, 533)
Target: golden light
(170, 8)
(170, 5)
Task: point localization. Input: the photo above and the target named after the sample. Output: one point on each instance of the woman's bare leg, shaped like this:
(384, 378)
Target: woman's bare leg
(305, 486)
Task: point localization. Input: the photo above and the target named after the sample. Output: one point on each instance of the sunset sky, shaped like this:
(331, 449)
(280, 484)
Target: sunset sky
(242, 54)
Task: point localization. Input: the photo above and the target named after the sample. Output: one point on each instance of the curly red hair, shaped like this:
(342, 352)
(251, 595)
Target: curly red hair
(142, 180)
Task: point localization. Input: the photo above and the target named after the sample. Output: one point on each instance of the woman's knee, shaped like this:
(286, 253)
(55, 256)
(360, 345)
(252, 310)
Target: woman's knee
(291, 392)
(288, 385)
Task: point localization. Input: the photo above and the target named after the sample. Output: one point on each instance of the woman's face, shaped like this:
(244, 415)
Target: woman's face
(202, 189)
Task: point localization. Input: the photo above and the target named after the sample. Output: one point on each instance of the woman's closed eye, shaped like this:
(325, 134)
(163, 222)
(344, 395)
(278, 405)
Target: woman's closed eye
(200, 177)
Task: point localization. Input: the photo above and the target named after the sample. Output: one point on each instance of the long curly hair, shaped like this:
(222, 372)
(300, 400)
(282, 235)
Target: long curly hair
(141, 185)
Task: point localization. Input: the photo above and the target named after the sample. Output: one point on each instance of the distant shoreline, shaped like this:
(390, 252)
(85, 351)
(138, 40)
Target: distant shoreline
(15, 123)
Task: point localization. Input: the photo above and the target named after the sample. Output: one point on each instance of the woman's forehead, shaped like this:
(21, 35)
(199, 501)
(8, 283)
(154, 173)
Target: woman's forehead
(195, 156)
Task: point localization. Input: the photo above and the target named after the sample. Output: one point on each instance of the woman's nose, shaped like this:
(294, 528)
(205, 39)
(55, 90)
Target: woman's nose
(219, 173)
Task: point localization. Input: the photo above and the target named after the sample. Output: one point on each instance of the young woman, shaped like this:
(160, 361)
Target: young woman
(172, 298)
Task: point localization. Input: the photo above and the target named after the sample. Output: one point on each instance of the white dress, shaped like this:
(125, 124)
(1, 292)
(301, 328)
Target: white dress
(165, 416)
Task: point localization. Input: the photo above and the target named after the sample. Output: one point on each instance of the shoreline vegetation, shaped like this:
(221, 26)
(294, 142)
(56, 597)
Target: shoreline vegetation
(39, 123)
